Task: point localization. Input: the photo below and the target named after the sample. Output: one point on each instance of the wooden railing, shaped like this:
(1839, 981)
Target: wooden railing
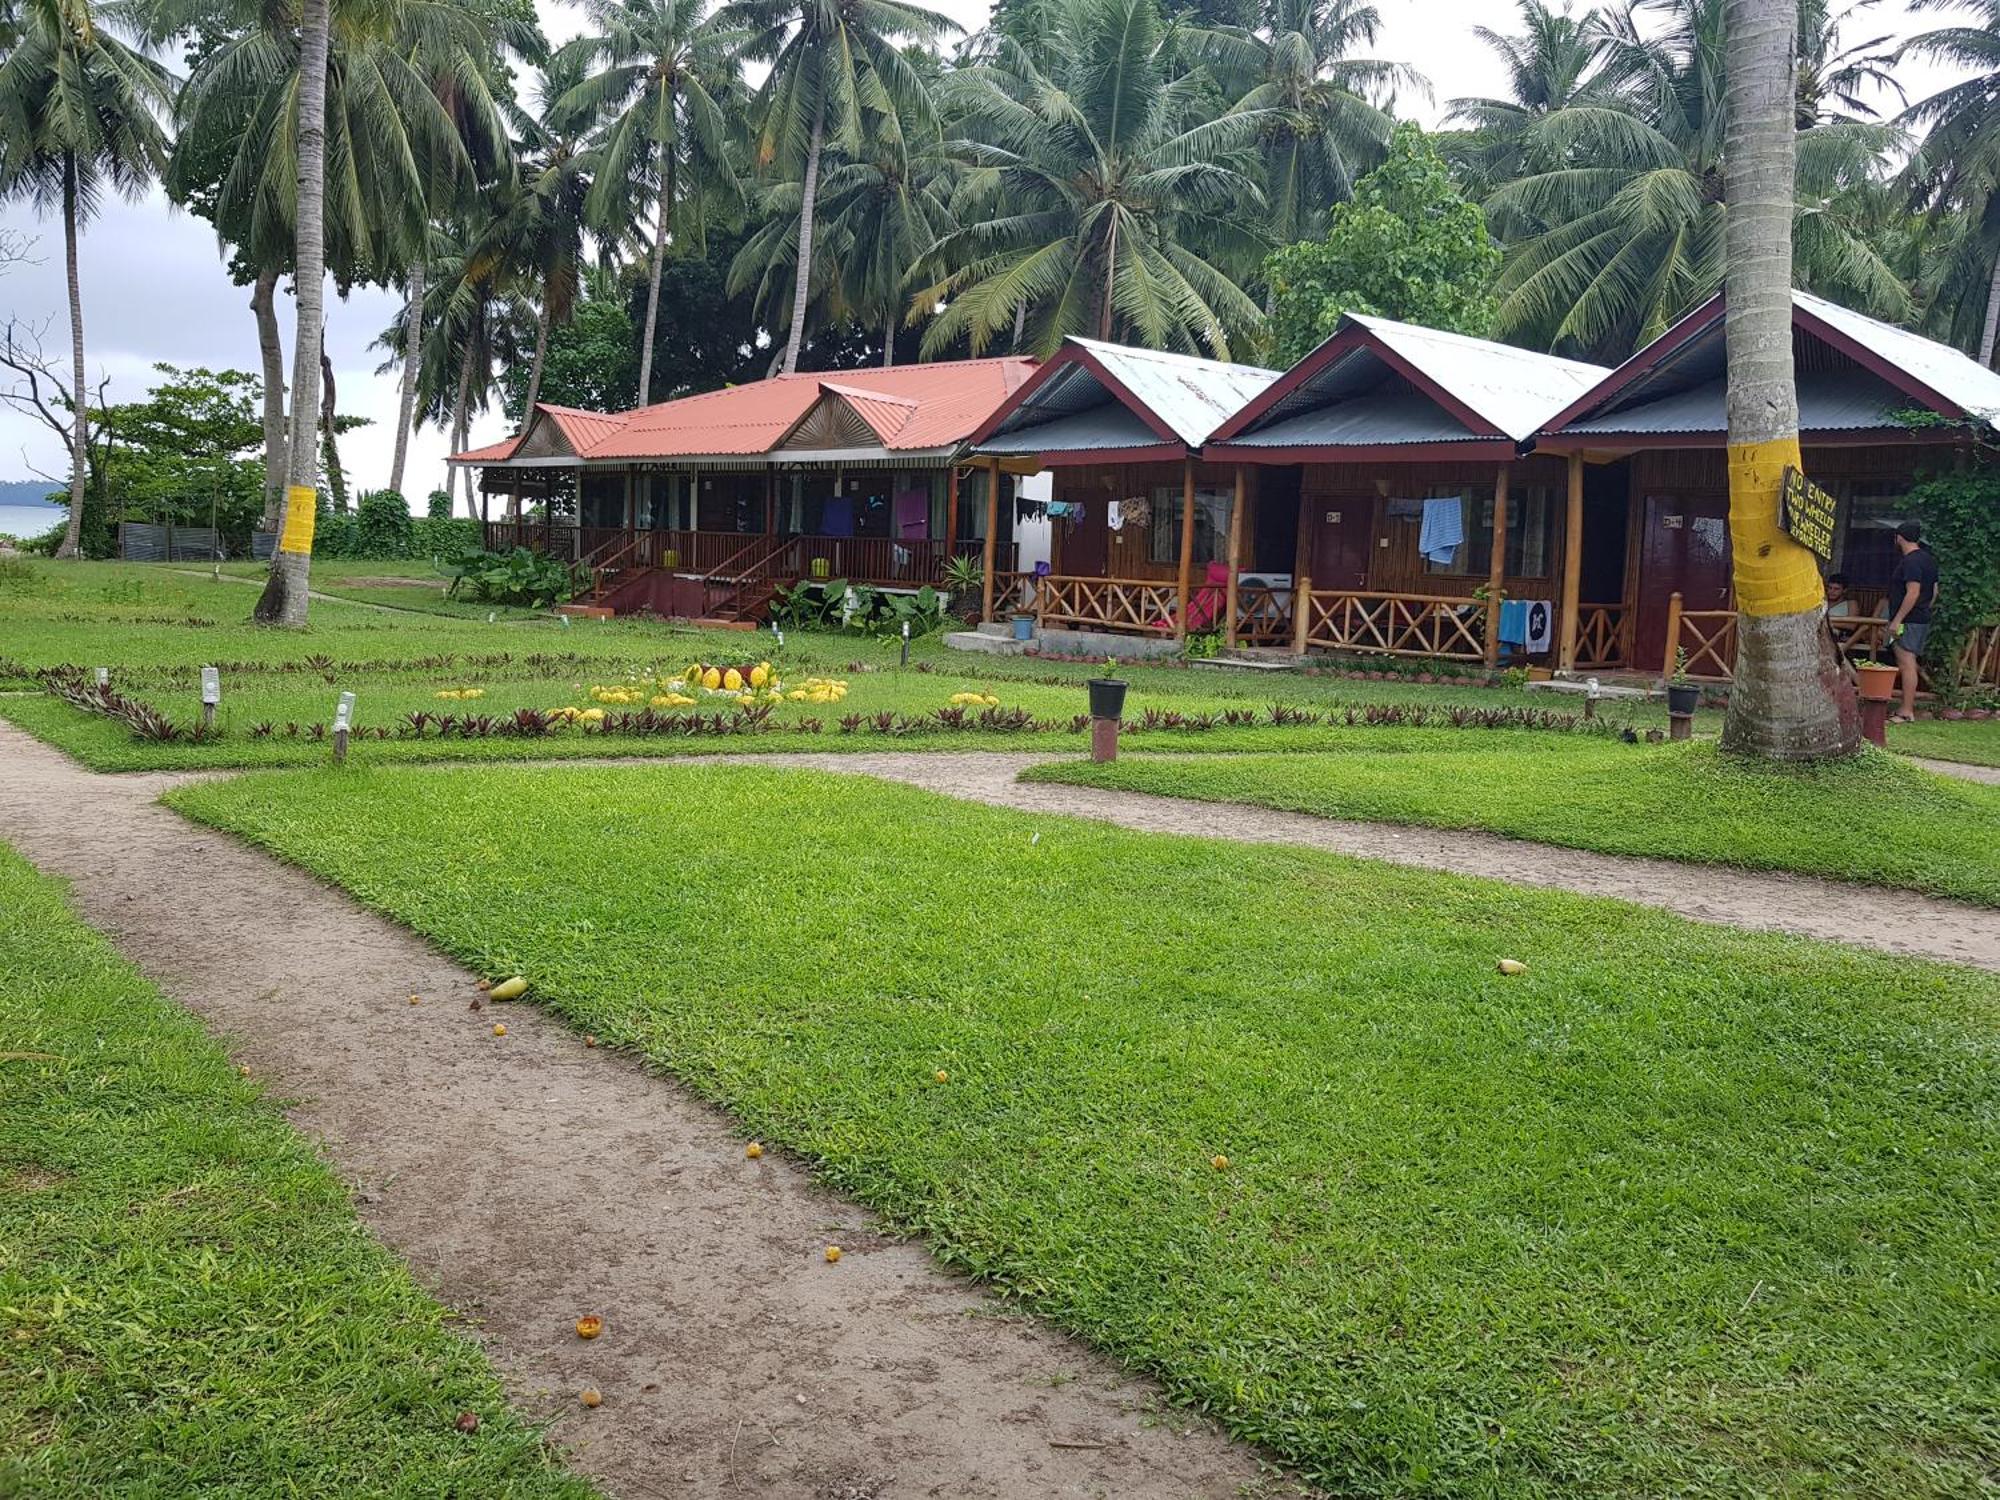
(1393, 624)
(909, 562)
(1263, 616)
(1107, 603)
(1709, 638)
(1604, 636)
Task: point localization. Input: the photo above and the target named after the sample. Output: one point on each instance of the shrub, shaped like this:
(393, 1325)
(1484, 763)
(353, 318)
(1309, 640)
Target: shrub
(522, 577)
(382, 525)
(437, 506)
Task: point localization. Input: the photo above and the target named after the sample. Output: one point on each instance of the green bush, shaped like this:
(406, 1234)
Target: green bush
(531, 579)
(443, 536)
(1961, 516)
(437, 507)
(382, 525)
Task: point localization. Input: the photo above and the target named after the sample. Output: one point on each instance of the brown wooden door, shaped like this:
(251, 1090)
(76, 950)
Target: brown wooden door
(1684, 546)
(1339, 549)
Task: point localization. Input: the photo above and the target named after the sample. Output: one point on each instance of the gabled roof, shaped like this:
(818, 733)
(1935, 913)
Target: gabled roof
(1104, 399)
(1377, 382)
(907, 409)
(1854, 372)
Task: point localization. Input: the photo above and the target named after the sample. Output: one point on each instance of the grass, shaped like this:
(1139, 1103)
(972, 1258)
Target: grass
(1876, 819)
(1679, 1211)
(407, 584)
(190, 1305)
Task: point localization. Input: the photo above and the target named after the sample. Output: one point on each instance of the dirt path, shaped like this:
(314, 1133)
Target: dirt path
(1895, 921)
(1963, 770)
(529, 1180)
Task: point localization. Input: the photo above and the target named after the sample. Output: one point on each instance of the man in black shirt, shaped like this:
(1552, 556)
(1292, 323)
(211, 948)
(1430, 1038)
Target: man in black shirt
(1912, 588)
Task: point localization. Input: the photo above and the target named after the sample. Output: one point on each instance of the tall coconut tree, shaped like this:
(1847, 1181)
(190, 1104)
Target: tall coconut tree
(660, 75)
(833, 64)
(80, 111)
(1958, 169)
(1552, 65)
(1788, 701)
(287, 591)
(1103, 198)
(1324, 108)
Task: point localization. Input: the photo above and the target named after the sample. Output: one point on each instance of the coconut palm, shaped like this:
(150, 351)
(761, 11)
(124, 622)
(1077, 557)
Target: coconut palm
(1784, 701)
(659, 76)
(1101, 198)
(1325, 120)
(1552, 66)
(835, 65)
(1958, 167)
(80, 111)
(1620, 228)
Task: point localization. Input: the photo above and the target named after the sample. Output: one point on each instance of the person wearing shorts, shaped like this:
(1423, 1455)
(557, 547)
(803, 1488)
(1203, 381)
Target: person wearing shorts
(1912, 590)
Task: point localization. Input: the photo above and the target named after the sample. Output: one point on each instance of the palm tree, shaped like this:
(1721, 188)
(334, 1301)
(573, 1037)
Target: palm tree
(1618, 229)
(1322, 127)
(1785, 700)
(883, 213)
(80, 110)
(834, 64)
(1102, 200)
(1552, 66)
(1959, 167)
(287, 593)
(665, 75)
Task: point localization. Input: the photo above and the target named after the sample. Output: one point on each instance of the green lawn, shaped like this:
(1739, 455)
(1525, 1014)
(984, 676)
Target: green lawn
(407, 584)
(1876, 819)
(1679, 1211)
(189, 1304)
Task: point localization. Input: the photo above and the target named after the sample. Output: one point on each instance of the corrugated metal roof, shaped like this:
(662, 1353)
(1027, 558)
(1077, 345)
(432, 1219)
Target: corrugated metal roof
(1192, 396)
(584, 429)
(1363, 421)
(1515, 389)
(1829, 401)
(1955, 376)
(1104, 426)
(885, 415)
(492, 453)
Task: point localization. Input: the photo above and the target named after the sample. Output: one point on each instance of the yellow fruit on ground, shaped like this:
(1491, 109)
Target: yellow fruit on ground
(833, 1252)
(1220, 1163)
(746, 701)
(662, 700)
(589, 1040)
(499, 1028)
(797, 695)
(589, 1326)
(416, 999)
(510, 989)
(753, 1150)
(590, 1396)
(1511, 966)
(592, 716)
(733, 680)
(711, 679)
(759, 675)
(692, 676)
(942, 1076)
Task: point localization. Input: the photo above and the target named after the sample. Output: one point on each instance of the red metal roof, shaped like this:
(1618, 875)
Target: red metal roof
(492, 453)
(910, 407)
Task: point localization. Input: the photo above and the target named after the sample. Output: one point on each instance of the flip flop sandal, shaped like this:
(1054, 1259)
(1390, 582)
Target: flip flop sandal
(1902, 718)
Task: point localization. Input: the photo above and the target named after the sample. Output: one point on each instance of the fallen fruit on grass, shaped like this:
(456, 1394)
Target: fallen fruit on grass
(833, 1252)
(486, 984)
(1220, 1163)
(468, 1421)
(589, 1326)
(1512, 966)
(416, 999)
(754, 1150)
(510, 989)
(244, 1069)
(591, 1396)
(499, 1028)
(942, 1076)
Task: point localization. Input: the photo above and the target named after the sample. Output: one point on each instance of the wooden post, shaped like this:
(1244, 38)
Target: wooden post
(992, 537)
(1187, 548)
(1301, 613)
(1673, 635)
(770, 502)
(630, 517)
(1572, 565)
(951, 512)
(1496, 571)
(1235, 562)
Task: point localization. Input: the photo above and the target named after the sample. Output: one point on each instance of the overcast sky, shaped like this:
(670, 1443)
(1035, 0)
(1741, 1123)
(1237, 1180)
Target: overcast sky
(155, 287)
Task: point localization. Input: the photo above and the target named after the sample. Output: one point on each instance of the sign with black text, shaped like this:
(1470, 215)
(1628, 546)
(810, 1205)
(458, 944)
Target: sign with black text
(1807, 514)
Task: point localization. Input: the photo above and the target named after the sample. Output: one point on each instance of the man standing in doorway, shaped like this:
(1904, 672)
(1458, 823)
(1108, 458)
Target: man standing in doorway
(1912, 588)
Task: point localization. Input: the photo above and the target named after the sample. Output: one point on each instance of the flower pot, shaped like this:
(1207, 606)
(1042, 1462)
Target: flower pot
(1877, 682)
(1107, 697)
(1682, 698)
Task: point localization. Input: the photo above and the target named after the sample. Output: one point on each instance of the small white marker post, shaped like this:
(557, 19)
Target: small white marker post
(1590, 698)
(104, 677)
(565, 620)
(489, 616)
(906, 643)
(211, 695)
(343, 720)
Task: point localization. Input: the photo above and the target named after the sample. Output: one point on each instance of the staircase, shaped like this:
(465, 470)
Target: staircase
(746, 602)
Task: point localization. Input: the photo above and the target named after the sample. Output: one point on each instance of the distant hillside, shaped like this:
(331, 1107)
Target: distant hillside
(26, 492)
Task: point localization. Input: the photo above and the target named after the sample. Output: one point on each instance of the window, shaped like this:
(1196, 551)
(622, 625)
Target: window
(1211, 525)
(1531, 511)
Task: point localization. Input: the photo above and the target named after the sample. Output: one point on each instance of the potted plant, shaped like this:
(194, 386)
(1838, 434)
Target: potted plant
(1875, 682)
(1683, 695)
(1107, 693)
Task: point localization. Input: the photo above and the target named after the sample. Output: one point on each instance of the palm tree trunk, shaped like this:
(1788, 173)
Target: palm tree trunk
(79, 442)
(802, 278)
(660, 232)
(1110, 276)
(272, 348)
(286, 594)
(1991, 331)
(535, 370)
(460, 419)
(1020, 324)
(413, 341)
(329, 428)
(1789, 700)
(889, 341)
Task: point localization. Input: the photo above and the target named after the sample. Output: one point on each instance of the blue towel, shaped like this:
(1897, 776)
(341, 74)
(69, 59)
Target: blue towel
(1514, 622)
(1443, 530)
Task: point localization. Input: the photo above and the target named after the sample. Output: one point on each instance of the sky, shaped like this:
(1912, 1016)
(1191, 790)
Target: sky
(155, 287)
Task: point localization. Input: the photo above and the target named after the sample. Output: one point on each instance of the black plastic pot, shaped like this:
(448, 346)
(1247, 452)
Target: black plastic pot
(1683, 697)
(1107, 697)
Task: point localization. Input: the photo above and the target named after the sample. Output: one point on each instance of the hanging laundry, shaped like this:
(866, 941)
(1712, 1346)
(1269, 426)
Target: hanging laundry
(1114, 514)
(1443, 531)
(1514, 622)
(1537, 629)
(837, 517)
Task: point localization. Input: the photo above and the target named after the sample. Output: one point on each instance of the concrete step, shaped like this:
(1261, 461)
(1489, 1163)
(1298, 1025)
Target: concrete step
(1227, 662)
(979, 640)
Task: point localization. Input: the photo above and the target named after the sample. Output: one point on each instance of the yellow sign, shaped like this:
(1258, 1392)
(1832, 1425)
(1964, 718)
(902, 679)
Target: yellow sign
(1807, 514)
(301, 509)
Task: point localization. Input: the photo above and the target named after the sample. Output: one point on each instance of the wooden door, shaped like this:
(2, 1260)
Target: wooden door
(1684, 546)
(1342, 533)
